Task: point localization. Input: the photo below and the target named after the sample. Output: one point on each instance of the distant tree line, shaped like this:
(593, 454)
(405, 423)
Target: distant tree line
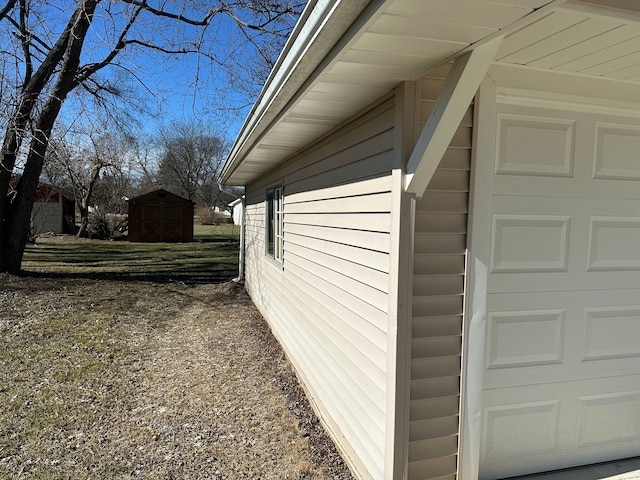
(102, 169)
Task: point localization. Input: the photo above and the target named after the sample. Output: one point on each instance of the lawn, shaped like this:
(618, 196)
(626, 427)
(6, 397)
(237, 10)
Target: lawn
(124, 361)
(213, 257)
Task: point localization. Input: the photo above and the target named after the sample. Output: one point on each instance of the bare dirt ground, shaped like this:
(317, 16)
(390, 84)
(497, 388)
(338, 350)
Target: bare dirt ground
(147, 379)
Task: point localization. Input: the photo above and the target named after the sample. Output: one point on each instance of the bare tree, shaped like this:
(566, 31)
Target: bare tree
(91, 165)
(191, 157)
(49, 49)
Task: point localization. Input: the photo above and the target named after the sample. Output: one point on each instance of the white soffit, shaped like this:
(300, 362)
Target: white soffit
(581, 53)
(624, 5)
(578, 39)
(397, 40)
(401, 39)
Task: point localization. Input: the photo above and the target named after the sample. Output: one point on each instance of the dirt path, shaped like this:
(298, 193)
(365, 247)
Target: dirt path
(191, 385)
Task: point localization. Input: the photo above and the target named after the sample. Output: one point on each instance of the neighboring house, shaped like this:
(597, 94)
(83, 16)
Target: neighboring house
(53, 211)
(237, 211)
(449, 253)
(160, 216)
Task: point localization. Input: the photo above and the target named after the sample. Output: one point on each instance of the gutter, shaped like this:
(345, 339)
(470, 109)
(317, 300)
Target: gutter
(320, 27)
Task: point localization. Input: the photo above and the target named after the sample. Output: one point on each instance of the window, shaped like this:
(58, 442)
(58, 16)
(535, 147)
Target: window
(275, 223)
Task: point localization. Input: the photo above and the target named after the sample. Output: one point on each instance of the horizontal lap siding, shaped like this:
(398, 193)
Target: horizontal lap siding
(47, 217)
(328, 303)
(438, 289)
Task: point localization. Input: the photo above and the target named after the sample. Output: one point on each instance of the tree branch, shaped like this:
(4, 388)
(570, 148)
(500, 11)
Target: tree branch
(274, 13)
(25, 41)
(261, 27)
(175, 16)
(7, 8)
(88, 70)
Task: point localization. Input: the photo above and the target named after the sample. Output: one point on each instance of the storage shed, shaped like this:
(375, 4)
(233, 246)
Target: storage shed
(53, 211)
(443, 230)
(160, 216)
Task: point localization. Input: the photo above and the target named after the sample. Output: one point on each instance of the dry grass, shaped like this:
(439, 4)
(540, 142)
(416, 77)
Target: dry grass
(147, 377)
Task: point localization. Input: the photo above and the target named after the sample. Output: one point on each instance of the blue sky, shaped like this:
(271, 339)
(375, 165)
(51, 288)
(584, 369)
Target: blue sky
(170, 87)
(184, 87)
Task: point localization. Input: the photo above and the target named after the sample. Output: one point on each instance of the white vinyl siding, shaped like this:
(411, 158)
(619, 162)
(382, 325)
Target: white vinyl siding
(329, 304)
(438, 289)
(46, 217)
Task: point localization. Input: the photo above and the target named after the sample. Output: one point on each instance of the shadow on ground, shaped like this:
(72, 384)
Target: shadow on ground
(209, 261)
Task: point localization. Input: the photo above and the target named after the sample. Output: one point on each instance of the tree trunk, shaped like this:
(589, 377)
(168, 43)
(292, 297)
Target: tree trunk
(16, 220)
(19, 218)
(10, 146)
(19, 123)
(84, 221)
(84, 202)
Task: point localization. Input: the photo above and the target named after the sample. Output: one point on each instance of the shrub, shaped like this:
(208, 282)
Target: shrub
(208, 216)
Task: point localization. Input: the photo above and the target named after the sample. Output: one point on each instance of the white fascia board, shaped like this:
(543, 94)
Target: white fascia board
(321, 25)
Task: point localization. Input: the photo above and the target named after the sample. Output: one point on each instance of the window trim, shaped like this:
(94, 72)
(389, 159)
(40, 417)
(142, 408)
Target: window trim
(274, 223)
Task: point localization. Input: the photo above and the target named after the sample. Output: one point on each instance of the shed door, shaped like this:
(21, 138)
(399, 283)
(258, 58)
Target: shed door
(172, 223)
(561, 382)
(151, 223)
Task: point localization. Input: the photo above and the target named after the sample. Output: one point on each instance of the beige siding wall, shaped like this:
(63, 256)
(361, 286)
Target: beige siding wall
(328, 303)
(46, 217)
(439, 267)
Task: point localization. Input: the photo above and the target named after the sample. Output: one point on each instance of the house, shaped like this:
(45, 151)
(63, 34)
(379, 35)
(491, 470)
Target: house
(237, 211)
(53, 211)
(442, 228)
(160, 216)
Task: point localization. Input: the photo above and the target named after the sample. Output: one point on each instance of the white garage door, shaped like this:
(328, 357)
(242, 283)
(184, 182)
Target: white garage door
(562, 355)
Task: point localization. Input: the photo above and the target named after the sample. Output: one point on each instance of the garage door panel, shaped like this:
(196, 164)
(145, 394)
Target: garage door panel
(528, 338)
(531, 376)
(562, 424)
(506, 427)
(578, 335)
(535, 145)
(567, 187)
(589, 150)
(612, 333)
(608, 417)
(539, 282)
(561, 384)
(530, 243)
(581, 207)
(546, 413)
(561, 242)
(575, 252)
(614, 243)
(573, 300)
(616, 147)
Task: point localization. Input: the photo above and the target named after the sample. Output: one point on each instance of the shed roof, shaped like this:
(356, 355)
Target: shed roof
(46, 192)
(344, 54)
(154, 194)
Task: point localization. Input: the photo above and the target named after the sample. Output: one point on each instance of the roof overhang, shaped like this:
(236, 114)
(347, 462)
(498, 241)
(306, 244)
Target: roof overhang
(345, 54)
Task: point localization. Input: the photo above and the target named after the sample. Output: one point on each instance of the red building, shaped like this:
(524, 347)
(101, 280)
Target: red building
(53, 211)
